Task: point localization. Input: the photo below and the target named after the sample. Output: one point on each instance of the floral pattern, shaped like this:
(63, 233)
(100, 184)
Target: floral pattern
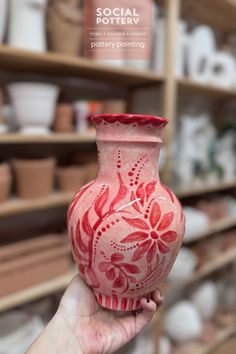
(152, 235)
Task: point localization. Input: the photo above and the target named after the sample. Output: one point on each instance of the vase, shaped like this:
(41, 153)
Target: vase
(125, 226)
(27, 25)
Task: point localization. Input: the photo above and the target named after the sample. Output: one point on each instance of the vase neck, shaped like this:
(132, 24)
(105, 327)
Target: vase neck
(136, 162)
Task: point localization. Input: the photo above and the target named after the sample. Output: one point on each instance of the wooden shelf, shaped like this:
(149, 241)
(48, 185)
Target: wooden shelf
(17, 206)
(206, 189)
(36, 292)
(222, 335)
(54, 138)
(214, 228)
(219, 14)
(189, 86)
(63, 65)
(212, 266)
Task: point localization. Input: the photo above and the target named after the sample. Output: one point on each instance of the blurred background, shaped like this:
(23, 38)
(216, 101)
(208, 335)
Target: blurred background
(47, 152)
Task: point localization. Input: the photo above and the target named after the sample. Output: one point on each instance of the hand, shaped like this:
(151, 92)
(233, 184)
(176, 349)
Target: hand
(91, 329)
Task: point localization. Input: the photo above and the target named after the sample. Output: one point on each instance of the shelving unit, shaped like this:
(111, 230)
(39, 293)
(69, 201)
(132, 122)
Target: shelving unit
(36, 292)
(17, 206)
(51, 64)
(214, 228)
(54, 138)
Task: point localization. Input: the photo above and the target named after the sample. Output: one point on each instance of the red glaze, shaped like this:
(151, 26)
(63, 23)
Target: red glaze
(126, 228)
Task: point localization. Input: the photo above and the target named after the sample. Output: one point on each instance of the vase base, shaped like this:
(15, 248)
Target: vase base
(114, 302)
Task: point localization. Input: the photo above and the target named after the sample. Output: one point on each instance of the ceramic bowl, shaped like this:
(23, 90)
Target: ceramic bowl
(34, 106)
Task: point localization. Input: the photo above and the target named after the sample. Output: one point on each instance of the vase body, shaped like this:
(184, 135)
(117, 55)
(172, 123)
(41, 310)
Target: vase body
(126, 228)
(27, 24)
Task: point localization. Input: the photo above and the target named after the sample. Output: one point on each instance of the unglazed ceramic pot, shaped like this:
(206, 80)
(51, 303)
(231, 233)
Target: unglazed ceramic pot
(126, 228)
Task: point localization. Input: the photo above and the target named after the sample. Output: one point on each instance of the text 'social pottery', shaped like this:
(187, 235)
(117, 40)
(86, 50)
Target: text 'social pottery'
(126, 227)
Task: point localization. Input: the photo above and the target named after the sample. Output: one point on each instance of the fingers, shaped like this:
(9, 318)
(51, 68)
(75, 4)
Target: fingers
(148, 306)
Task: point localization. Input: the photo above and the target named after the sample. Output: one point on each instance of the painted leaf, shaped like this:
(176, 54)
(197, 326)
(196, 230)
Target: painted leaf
(110, 274)
(162, 247)
(83, 248)
(103, 266)
(155, 214)
(150, 188)
(117, 257)
(138, 223)
(86, 224)
(91, 278)
(169, 192)
(142, 248)
(131, 268)
(135, 236)
(165, 221)
(76, 199)
(122, 191)
(119, 281)
(140, 193)
(169, 236)
(100, 202)
(151, 252)
(135, 204)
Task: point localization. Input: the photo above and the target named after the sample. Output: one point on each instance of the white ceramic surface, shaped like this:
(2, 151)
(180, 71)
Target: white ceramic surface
(27, 24)
(165, 345)
(205, 298)
(201, 49)
(18, 329)
(182, 322)
(222, 65)
(184, 265)
(196, 223)
(34, 106)
(3, 18)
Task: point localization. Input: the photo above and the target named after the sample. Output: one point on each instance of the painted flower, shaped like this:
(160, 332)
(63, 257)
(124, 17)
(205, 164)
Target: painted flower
(151, 235)
(118, 271)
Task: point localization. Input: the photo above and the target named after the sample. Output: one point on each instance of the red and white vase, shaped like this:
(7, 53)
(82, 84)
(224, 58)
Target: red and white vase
(126, 227)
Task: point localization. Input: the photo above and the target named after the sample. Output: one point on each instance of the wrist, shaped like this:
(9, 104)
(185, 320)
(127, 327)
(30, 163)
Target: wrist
(55, 338)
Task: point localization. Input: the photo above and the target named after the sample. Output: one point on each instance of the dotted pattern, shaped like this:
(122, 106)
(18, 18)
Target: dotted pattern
(147, 211)
(116, 246)
(118, 163)
(135, 171)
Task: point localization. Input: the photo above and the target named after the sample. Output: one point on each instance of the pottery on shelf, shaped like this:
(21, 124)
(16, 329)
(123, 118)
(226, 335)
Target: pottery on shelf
(184, 265)
(34, 178)
(125, 226)
(91, 170)
(5, 182)
(27, 24)
(70, 179)
(115, 106)
(34, 106)
(18, 329)
(64, 21)
(63, 121)
(3, 18)
(206, 290)
(182, 322)
(3, 126)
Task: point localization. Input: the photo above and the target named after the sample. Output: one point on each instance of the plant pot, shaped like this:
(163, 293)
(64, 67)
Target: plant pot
(34, 178)
(3, 17)
(70, 179)
(27, 24)
(26, 263)
(34, 106)
(91, 170)
(126, 228)
(114, 106)
(64, 23)
(184, 265)
(5, 182)
(63, 121)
